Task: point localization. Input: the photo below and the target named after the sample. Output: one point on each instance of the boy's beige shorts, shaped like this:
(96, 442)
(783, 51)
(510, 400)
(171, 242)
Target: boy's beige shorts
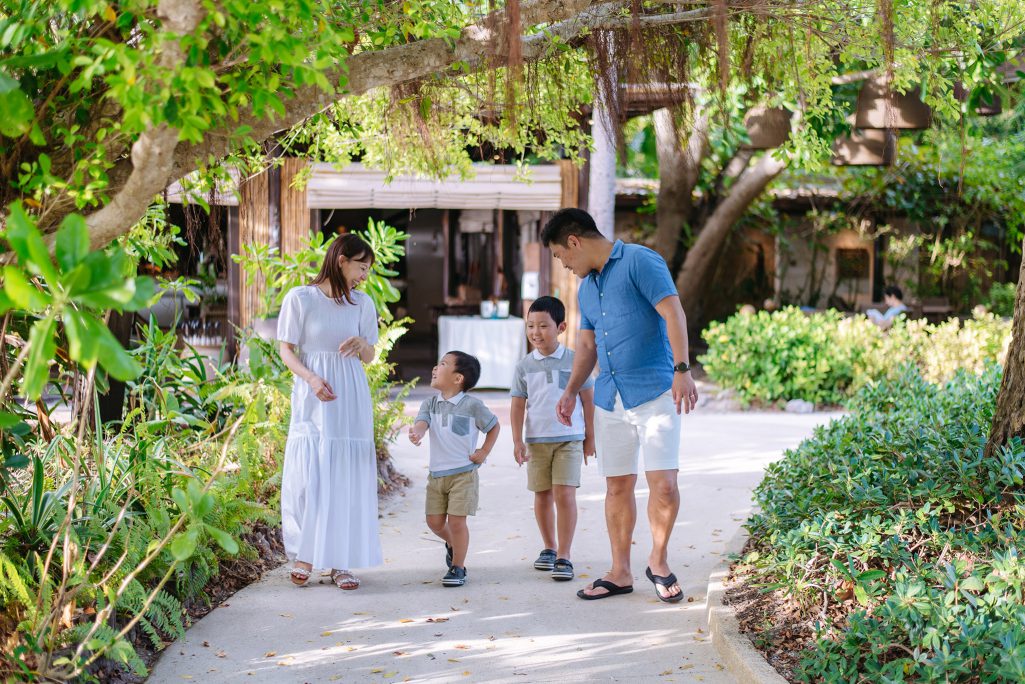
(453, 494)
(554, 463)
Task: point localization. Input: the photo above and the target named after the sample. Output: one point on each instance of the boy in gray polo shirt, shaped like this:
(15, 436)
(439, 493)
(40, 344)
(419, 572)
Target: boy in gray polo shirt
(551, 450)
(454, 419)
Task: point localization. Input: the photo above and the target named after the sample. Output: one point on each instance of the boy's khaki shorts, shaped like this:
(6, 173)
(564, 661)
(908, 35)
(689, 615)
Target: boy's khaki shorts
(453, 494)
(554, 463)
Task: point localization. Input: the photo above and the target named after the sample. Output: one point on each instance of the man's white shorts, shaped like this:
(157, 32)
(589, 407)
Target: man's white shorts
(653, 428)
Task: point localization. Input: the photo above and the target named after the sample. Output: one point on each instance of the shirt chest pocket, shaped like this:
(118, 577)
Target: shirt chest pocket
(564, 378)
(461, 425)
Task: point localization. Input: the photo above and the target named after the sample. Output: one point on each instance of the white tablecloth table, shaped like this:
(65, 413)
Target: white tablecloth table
(498, 343)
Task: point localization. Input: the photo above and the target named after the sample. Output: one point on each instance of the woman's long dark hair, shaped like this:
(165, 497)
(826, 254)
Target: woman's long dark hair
(353, 248)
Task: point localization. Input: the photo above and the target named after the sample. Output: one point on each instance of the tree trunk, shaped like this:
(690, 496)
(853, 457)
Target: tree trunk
(699, 264)
(1009, 416)
(678, 174)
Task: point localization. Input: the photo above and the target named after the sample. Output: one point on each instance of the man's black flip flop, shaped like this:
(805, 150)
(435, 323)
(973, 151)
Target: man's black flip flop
(612, 589)
(659, 580)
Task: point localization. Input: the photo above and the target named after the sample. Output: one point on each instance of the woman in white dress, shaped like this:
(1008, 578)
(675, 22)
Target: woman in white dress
(327, 332)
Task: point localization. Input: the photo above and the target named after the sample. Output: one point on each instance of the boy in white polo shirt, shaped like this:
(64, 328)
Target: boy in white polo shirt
(551, 450)
(454, 419)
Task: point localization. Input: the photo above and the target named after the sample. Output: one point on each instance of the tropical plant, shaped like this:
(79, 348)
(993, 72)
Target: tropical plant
(826, 357)
(893, 544)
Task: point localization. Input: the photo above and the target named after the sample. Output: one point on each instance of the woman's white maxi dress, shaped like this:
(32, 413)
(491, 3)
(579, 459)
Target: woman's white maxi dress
(329, 483)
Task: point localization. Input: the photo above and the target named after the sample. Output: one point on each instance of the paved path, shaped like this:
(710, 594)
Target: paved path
(510, 623)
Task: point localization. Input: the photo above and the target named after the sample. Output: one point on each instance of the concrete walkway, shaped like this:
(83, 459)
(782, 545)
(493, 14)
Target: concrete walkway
(510, 623)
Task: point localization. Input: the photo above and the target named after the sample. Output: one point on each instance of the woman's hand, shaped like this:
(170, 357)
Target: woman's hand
(321, 389)
(354, 346)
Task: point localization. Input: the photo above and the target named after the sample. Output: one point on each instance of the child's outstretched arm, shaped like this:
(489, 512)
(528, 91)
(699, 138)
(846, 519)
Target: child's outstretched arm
(587, 403)
(489, 443)
(516, 413)
(417, 431)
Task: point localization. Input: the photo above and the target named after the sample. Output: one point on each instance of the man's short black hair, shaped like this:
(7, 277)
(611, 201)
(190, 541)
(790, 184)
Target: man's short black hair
(468, 366)
(893, 291)
(568, 222)
(553, 306)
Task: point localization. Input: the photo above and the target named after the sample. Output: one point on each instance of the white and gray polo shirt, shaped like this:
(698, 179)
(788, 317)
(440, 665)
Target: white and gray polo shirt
(454, 426)
(541, 381)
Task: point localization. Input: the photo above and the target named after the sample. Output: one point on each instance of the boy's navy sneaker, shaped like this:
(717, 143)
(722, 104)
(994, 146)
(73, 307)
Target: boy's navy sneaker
(448, 555)
(545, 561)
(455, 577)
(562, 571)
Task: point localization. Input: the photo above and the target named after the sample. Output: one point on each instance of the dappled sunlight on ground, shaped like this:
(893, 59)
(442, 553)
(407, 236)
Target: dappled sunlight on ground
(510, 623)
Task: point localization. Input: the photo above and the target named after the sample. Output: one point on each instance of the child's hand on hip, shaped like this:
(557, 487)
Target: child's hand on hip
(520, 453)
(478, 456)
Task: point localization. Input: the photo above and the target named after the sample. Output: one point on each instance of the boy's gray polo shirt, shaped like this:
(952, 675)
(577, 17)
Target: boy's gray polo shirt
(454, 426)
(541, 380)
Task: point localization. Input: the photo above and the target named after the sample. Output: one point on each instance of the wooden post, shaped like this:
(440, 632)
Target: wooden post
(254, 229)
(562, 283)
(295, 215)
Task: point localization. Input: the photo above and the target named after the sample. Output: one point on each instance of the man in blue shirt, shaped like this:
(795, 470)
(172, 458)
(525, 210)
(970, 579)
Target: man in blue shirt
(633, 325)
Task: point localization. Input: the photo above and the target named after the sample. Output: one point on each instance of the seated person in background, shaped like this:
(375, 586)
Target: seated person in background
(894, 300)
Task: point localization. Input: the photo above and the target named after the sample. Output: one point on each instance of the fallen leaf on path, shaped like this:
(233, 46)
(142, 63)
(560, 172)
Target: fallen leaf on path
(663, 674)
(221, 654)
(270, 654)
(326, 633)
(453, 608)
(206, 644)
(462, 646)
(284, 663)
(441, 619)
(439, 634)
(224, 605)
(359, 613)
(405, 620)
(399, 653)
(466, 673)
(686, 667)
(351, 648)
(389, 675)
(286, 615)
(453, 660)
(583, 575)
(376, 670)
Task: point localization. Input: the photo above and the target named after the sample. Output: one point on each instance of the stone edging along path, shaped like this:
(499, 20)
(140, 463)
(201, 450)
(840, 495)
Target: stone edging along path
(742, 659)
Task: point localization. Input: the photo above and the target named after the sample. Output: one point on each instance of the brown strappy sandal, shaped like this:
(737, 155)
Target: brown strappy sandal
(344, 579)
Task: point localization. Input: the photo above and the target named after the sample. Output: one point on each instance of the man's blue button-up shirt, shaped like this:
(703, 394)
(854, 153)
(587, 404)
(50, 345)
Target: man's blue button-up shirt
(618, 304)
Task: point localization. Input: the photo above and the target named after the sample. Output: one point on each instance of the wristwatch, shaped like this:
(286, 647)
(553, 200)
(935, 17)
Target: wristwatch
(682, 367)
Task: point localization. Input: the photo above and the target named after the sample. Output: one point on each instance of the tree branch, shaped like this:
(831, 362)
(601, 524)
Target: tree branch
(152, 155)
(565, 20)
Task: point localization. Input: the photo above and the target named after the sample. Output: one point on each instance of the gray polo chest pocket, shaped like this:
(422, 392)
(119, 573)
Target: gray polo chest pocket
(564, 378)
(461, 425)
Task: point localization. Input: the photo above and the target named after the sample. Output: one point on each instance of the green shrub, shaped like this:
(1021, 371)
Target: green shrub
(891, 529)
(826, 357)
(1000, 300)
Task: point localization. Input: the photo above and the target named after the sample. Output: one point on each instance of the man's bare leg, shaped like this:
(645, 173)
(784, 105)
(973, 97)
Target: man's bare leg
(663, 507)
(620, 518)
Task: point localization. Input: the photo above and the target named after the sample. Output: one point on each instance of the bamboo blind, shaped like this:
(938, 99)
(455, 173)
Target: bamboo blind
(254, 229)
(295, 215)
